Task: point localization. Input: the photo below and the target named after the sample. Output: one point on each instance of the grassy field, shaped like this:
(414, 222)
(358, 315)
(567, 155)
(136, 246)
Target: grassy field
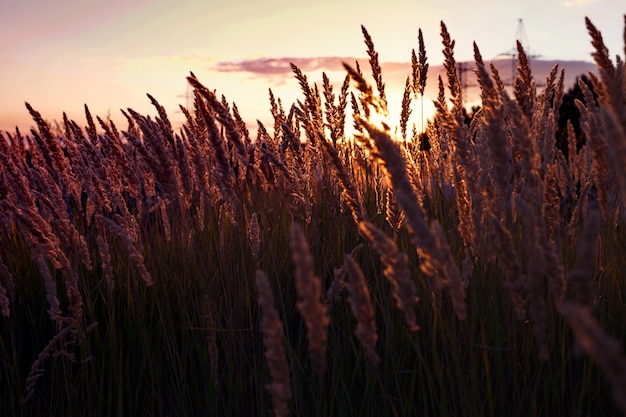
(333, 266)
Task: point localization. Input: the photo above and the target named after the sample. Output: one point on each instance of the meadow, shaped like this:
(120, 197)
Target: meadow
(335, 265)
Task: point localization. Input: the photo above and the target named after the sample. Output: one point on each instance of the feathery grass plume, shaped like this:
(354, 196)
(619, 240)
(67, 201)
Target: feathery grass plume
(340, 120)
(367, 95)
(133, 253)
(464, 169)
(191, 125)
(161, 205)
(133, 129)
(112, 146)
(51, 197)
(294, 126)
(396, 271)
(71, 237)
(260, 168)
(362, 308)
(611, 90)
(293, 156)
(333, 295)
(310, 305)
(536, 265)
(59, 163)
(439, 140)
(265, 138)
(105, 257)
(223, 171)
(7, 290)
(273, 335)
(34, 228)
(92, 134)
(544, 122)
(498, 146)
(574, 168)
(602, 348)
(419, 67)
(405, 113)
(524, 84)
(158, 152)
(4, 301)
(273, 141)
(550, 230)
(393, 214)
(163, 122)
(437, 259)
(470, 213)
(292, 186)
(594, 131)
(615, 134)
(198, 157)
(527, 163)
(440, 103)
(580, 276)
(51, 288)
(347, 183)
(338, 285)
(279, 116)
(450, 66)
(551, 202)
(231, 128)
(514, 279)
(355, 112)
(578, 214)
(56, 344)
(291, 139)
(374, 63)
(241, 125)
(335, 113)
(311, 106)
(557, 101)
(184, 168)
(601, 53)
(329, 105)
(496, 78)
(254, 236)
(73, 293)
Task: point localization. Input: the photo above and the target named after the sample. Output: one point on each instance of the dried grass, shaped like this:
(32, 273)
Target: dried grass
(273, 335)
(362, 308)
(310, 305)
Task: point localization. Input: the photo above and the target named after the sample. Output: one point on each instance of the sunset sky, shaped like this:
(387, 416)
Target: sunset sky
(59, 55)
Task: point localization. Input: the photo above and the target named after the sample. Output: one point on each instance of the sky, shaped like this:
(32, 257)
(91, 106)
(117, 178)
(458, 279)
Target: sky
(59, 55)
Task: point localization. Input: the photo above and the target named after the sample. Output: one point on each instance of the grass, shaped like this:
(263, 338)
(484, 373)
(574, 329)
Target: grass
(129, 270)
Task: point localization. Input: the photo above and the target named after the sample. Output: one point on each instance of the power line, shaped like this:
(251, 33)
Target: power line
(461, 69)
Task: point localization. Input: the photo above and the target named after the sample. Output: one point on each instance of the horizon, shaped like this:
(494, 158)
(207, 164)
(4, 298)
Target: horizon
(110, 56)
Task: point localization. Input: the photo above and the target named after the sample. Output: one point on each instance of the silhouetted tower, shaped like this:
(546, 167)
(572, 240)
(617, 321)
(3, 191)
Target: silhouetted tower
(189, 98)
(520, 36)
(461, 69)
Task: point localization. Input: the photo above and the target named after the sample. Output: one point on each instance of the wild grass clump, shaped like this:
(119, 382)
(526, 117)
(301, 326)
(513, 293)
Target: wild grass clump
(475, 269)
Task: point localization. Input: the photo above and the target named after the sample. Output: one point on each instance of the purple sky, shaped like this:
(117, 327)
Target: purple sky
(59, 55)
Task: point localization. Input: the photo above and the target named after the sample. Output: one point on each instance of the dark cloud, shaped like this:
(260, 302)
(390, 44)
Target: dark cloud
(277, 70)
(281, 66)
